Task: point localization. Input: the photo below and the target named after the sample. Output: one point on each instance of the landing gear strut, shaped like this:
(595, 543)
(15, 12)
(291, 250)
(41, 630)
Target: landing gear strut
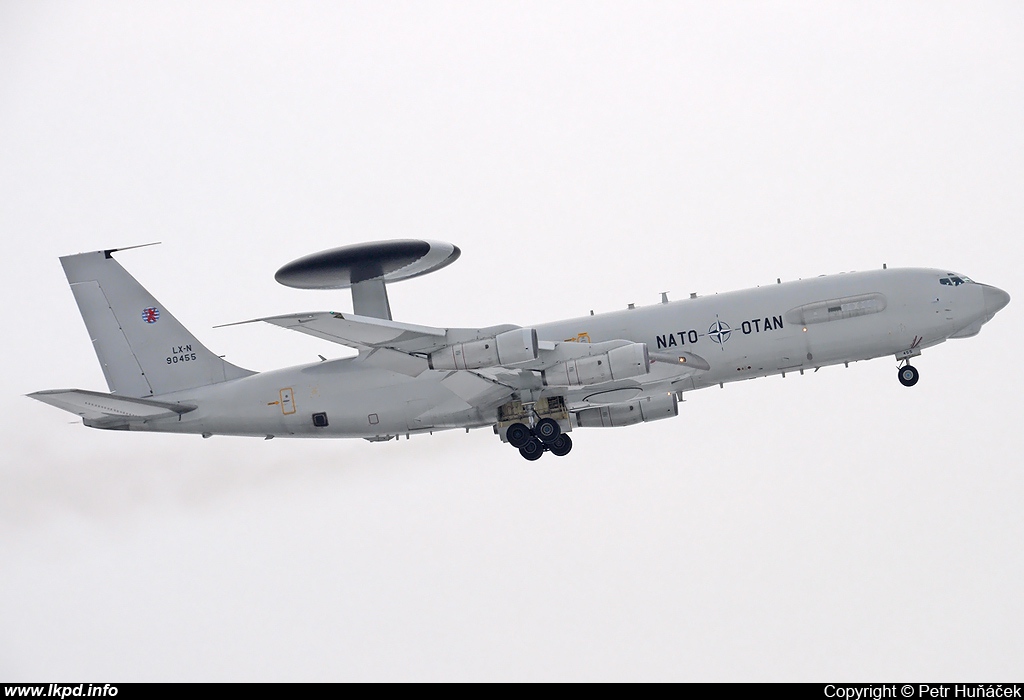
(908, 375)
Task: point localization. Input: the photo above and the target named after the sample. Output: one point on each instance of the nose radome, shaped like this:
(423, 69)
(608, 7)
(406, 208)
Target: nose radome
(995, 299)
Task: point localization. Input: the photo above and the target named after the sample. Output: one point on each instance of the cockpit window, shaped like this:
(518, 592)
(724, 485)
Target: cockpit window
(955, 280)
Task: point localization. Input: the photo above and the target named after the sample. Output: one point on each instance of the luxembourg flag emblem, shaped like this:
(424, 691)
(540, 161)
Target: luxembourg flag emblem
(151, 315)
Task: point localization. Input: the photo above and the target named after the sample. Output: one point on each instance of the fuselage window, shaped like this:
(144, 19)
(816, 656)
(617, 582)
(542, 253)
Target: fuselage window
(955, 280)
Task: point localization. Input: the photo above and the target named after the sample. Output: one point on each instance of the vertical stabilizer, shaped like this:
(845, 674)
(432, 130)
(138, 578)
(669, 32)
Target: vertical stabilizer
(142, 348)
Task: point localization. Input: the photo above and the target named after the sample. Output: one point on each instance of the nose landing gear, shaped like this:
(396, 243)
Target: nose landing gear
(908, 375)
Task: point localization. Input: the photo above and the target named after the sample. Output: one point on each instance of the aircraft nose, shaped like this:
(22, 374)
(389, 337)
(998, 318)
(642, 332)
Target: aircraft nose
(995, 299)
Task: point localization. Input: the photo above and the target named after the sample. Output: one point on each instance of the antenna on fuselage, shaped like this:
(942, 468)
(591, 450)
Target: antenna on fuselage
(365, 268)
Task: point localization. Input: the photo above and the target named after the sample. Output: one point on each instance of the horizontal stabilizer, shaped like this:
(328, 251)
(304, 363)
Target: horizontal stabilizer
(108, 410)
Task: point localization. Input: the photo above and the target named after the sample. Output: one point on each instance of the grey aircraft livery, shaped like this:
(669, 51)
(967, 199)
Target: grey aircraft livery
(533, 385)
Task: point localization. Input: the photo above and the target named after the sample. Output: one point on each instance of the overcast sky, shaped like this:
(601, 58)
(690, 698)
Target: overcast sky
(587, 155)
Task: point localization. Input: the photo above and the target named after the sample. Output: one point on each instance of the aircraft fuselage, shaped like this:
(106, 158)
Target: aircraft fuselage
(757, 332)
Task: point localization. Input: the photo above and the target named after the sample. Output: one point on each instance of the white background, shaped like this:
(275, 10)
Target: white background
(834, 526)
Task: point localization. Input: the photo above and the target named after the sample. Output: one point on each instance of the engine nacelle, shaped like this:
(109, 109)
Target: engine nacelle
(618, 415)
(621, 363)
(508, 348)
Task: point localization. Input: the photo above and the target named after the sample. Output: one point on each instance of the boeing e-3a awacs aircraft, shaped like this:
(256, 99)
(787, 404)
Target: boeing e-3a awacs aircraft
(532, 384)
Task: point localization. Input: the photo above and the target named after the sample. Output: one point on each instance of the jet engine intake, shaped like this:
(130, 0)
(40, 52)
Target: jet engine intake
(508, 348)
(620, 363)
(618, 415)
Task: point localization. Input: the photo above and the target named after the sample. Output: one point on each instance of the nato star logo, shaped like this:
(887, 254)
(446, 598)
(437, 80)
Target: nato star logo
(719, 331)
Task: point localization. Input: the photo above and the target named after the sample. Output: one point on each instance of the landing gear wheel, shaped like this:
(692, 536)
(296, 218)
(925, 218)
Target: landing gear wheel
(532, 450)
(547, 430)
(908, 375)
(561, 445)
(518, 435)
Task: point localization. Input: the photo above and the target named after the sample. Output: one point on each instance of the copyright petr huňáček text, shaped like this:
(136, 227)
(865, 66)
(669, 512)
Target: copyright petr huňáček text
(923, 690)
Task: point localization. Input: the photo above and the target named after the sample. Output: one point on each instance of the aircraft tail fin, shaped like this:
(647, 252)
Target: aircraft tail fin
(142, 348)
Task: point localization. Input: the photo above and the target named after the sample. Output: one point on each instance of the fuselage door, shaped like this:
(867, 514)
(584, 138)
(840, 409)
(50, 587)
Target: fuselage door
(287, 402)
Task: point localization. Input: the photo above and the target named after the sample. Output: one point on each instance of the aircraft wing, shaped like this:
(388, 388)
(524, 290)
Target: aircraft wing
(365, 332)
(101, 410)
(403, 347)
(360, 332)
(368, 333)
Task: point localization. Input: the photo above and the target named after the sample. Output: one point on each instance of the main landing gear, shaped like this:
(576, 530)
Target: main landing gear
(546, 436)
(908, 375)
